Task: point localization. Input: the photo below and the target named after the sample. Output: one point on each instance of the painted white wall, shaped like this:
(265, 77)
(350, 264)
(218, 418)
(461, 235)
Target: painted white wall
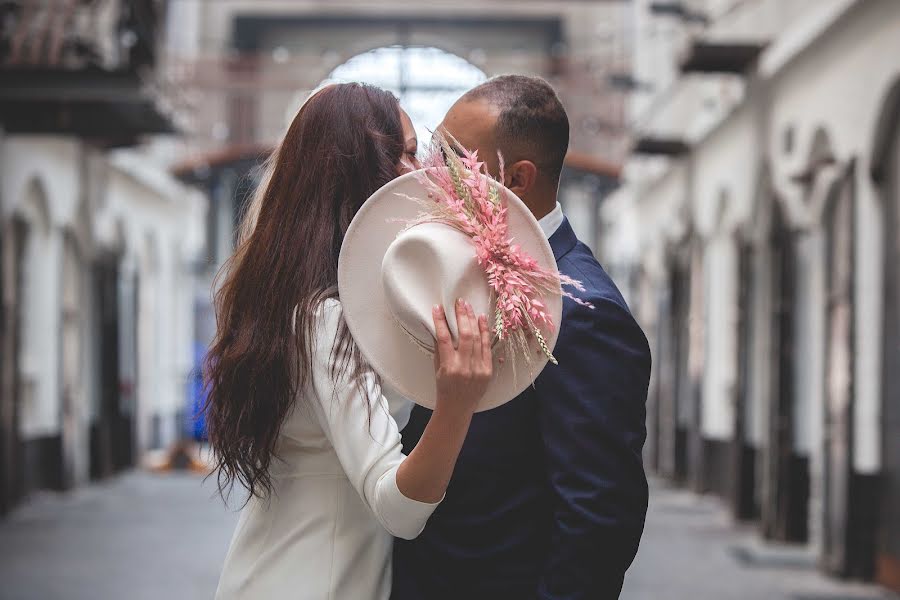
(840, 82)
(809, 342)
(76, 201)
(829, 66)
(39, 185)
(164, 223)
(720, 369)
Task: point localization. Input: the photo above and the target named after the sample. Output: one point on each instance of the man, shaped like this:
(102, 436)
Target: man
(549, 494)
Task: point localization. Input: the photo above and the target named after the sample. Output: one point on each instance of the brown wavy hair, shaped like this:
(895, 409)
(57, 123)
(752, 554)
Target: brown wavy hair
(344, 143)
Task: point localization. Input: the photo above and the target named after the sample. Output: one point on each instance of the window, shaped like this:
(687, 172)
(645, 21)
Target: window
(426, 80)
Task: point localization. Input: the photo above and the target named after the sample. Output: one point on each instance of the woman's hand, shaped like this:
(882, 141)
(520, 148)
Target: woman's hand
(462, 373)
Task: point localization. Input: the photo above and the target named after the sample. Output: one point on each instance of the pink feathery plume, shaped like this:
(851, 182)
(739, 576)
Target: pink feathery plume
(472, 204)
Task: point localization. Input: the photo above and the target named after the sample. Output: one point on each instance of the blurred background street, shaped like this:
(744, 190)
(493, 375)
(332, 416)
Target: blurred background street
(145, 537)
(734, 166)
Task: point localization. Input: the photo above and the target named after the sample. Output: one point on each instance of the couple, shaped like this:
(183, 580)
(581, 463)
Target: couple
(548, 494)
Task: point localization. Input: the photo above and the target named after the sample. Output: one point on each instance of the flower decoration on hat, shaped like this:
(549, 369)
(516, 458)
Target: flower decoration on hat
(464, 196)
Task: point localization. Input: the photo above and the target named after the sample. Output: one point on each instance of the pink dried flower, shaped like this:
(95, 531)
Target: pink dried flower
(464, 200)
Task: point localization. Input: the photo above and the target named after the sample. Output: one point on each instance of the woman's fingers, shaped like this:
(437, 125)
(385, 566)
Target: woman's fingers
(475, 337)
(472, 355)
(478, 355)
(444, 349)
(485, 356)
(464, 327)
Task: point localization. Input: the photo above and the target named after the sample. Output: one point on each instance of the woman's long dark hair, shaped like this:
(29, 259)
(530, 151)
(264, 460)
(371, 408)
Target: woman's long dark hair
(344, 143)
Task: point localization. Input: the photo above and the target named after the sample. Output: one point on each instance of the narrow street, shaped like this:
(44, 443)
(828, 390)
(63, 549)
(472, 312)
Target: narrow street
(146, 536)
(138, 537)
(691, 551)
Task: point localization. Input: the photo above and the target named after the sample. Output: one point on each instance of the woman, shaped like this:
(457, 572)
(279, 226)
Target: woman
(295, 416)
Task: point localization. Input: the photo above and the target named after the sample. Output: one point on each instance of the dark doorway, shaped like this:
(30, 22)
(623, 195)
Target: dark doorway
(107, 429)
(671, 450)
(12, 246)
(743, 499)
(785, 503)
(889, 527)
(683, 390)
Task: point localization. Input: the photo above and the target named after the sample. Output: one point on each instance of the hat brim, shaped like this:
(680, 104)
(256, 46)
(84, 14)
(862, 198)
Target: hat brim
(383, 343)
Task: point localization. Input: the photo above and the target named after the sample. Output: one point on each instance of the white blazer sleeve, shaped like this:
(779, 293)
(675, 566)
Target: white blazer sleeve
(366, 439)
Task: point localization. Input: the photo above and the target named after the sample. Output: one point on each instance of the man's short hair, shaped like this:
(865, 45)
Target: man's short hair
(532, 123)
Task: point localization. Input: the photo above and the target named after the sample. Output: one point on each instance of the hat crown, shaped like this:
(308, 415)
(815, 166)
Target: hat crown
(427, 264)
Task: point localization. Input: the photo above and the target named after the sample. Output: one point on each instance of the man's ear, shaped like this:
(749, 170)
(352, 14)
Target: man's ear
(520, 177)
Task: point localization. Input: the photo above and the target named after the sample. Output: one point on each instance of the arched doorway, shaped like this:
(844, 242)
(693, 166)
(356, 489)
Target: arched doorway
(886, 169)
(427, 80)
(839, 223)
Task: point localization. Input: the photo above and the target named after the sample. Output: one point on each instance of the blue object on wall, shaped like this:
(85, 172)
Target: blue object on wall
(196, 419)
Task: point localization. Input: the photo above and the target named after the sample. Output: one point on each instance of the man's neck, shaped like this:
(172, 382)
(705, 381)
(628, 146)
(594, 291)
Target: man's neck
(541, 205)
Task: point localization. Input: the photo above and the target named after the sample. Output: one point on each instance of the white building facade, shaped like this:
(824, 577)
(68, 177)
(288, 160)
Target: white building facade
(77, 221)
(757, 226)
(98, 246)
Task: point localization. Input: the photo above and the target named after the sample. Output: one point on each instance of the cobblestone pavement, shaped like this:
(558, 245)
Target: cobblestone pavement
(163, 537)
(137, 537)
(691, 551)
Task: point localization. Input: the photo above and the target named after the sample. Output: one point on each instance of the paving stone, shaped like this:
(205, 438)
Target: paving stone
(150, 536)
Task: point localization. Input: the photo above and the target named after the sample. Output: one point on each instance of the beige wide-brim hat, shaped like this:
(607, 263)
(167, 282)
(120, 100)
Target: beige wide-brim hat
(390, 276)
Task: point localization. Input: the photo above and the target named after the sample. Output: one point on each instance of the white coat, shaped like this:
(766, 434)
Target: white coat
(326, 530)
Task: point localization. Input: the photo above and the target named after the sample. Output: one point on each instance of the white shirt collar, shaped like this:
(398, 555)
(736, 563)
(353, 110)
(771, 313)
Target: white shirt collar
(551, 221)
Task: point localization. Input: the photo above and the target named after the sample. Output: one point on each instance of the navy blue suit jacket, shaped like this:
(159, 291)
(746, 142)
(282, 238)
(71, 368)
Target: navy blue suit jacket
(549, 495)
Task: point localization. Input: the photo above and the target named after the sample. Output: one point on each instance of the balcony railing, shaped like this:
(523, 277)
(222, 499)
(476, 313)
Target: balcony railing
(113, 35)
(81, 67)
